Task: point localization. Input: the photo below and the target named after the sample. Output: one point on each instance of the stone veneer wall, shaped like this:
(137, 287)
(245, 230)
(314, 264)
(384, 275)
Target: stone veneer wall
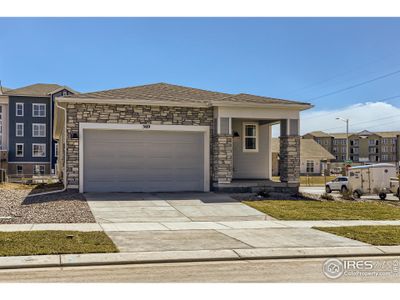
(289, 160)
(223, 158)
(127, 114)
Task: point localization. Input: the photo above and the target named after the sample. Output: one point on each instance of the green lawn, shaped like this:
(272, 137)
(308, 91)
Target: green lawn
(374, 235)
(54, 242)
(326, 210)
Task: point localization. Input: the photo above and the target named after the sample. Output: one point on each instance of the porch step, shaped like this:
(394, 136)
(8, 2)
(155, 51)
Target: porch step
(255, 186)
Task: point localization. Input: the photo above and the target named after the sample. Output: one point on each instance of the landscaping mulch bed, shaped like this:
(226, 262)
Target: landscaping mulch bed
(65, 207)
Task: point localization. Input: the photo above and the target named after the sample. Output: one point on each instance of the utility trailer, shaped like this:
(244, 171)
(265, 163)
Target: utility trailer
(371, 179)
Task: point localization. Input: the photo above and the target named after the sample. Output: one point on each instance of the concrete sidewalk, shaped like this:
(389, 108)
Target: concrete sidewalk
(69, 260)
(174, 226)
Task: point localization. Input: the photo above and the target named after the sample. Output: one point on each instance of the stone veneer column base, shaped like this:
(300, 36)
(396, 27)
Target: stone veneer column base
(289, 159)
(222, 158)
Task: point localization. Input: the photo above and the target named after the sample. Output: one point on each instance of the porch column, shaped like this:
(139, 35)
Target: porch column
(289, 161)
(223, 151)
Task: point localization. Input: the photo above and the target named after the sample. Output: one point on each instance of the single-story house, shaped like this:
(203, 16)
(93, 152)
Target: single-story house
(314, 159)
(162, 138)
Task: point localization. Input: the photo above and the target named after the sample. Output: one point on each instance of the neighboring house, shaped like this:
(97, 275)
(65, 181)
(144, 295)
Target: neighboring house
(314, 158)
(365, 146)
(26, 115)
(3, 129)
(163, 137)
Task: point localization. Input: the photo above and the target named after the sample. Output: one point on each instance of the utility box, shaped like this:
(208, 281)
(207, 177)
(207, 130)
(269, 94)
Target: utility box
(371, 179)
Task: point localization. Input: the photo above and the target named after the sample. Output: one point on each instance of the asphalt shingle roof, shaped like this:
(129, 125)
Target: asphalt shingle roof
(176, 93)
(320, 134)
(308, 149)
(343, 135)
(38, 89)
(4, 89)
(247, 98)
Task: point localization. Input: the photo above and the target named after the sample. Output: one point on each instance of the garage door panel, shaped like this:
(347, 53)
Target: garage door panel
(143, 161)
(143, 174)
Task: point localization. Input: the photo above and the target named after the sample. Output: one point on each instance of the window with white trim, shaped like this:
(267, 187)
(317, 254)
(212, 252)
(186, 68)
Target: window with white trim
(19, 129)
(310, 166)
(38, 130)
(38, 170)
(38, 110)
(19, 150)
(56, 150)
(20, 170)
(19, 109)
(250, 137)
(38, 150)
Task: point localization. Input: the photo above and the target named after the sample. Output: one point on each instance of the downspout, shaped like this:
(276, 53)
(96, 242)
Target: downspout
(65, 158)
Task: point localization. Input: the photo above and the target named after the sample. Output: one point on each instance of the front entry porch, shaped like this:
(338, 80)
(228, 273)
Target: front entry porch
(242, 151)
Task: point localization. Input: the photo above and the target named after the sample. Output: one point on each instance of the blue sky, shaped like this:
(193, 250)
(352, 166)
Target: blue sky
(294, 58)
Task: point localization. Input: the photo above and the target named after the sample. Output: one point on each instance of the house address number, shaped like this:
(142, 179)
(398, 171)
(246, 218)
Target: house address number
(146, 126)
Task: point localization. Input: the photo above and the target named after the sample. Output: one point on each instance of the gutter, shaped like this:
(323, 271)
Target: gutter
(65, 158)
(296, 106)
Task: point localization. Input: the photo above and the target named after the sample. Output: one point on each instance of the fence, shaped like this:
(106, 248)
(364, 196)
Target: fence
(32, 179)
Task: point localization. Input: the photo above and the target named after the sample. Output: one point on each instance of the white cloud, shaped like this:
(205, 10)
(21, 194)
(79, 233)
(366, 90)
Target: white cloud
(373, 116)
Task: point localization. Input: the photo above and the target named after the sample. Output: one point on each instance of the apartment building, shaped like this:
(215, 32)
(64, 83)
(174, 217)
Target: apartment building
(26, 125)
(364, 146)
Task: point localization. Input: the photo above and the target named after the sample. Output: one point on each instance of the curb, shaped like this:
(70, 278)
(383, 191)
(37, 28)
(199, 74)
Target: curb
(98, 259)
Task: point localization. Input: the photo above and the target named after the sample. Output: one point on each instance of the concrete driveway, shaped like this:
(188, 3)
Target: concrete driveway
(196, 222)
(169, 207)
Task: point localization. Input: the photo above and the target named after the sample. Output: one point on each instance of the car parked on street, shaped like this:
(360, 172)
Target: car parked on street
(340, 183)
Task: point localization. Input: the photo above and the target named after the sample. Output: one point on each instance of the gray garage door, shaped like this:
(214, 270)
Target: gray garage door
(143, 161)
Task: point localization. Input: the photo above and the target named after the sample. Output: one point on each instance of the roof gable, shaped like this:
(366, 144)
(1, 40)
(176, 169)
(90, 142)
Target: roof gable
(163, 92)
(4, 89)
(38, 90)
(308, 149)
(319, 134)
(156, 91)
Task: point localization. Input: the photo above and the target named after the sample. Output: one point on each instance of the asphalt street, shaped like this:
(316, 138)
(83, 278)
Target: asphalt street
(275, 270)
